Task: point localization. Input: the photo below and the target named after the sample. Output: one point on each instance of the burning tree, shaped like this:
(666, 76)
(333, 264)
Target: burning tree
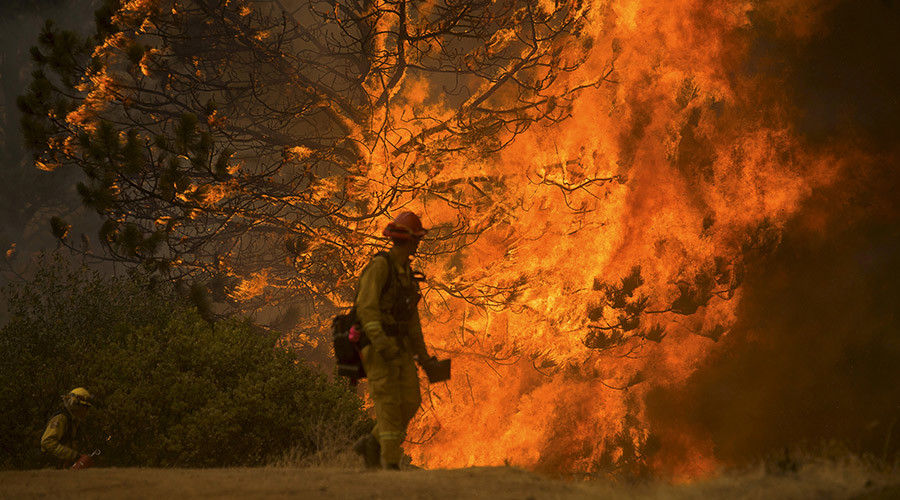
(588, 242)
(255, 148)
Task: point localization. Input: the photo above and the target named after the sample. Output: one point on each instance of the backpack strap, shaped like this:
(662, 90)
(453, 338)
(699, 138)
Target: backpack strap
(387, 283)
(391, 271)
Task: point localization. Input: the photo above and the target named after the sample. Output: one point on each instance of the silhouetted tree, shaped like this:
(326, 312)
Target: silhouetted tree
(250, 147)
(28, 196)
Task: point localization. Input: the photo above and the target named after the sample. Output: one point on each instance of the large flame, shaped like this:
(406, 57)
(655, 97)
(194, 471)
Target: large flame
(665, 177)
(593, 260)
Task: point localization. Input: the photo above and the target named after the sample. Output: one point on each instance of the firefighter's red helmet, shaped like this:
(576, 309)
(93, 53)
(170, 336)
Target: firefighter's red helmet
(406, 226)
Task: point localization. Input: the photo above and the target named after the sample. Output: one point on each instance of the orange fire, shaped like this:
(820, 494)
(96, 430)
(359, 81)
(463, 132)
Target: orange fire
(594, 260)
(669, 174)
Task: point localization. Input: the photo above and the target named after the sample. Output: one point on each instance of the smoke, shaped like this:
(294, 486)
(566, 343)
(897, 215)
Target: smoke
(815, 353)
(29, 197)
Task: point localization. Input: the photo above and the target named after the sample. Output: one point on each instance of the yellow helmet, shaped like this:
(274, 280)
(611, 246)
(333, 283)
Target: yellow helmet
(78, 396)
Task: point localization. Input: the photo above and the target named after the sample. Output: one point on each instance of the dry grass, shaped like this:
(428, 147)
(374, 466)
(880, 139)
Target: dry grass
(830, 452)
(333, 449)
(827, 470)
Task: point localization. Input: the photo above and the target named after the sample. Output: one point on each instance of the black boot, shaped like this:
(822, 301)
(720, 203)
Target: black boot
(370, 449)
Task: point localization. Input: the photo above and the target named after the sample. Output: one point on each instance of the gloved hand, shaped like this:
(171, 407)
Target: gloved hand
(387, 347)
(83, 462)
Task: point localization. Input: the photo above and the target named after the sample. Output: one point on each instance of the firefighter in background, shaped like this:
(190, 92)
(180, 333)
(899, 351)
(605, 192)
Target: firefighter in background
(61, 434)
(386, 306)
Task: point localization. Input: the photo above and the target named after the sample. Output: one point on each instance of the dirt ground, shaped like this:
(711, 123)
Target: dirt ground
(822, 482)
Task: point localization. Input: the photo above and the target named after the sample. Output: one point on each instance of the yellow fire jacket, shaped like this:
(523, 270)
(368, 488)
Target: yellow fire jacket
(59, 437)
(373, 308)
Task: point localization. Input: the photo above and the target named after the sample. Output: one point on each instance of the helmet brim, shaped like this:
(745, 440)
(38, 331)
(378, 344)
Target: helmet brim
(402, 233)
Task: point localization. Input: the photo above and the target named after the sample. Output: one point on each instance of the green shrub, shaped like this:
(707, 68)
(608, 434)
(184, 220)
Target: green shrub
(172, 388)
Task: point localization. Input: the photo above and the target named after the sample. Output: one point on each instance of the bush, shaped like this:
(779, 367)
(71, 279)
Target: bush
(172, 388)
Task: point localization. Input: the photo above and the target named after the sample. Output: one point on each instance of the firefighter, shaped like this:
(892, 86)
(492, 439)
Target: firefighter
(61, 433)
(386, 307)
